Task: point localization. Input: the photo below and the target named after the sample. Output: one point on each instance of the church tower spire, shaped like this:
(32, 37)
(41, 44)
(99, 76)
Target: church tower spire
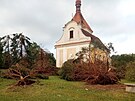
(78, 17)
(78, 6)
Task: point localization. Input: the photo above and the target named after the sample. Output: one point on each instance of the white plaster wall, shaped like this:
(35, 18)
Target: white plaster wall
(78, 41)
(78, 35)
(77, 47)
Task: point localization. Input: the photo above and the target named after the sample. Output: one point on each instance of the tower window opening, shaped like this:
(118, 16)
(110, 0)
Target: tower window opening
(71, 34)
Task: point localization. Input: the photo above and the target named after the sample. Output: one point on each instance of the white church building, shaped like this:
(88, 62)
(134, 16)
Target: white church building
(76, 35)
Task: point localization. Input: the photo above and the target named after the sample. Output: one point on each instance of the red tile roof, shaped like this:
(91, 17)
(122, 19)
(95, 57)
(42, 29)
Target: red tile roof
(80, 20)
(95, 40)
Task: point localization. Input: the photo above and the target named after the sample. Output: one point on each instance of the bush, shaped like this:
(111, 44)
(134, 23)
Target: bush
(66, 71)
(42, 76)
(130, 71)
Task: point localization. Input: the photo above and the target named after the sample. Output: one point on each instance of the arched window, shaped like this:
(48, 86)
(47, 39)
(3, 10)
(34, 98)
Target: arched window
(71, 34)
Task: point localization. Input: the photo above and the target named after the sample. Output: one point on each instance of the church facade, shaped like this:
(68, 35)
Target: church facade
(76, 35)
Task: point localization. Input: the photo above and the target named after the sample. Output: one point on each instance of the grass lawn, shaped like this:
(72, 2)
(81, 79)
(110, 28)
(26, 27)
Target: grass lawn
(126, 81)
(56, 89)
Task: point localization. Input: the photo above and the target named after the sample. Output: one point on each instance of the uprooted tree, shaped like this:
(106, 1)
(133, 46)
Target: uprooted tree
(90, 68)
(21, 57)
(21, 74)
(92, 73)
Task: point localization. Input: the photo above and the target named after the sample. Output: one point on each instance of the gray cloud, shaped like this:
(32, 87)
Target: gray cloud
(42, 20)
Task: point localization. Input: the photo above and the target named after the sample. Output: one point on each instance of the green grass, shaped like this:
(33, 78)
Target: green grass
(56, 89)
(126, 81)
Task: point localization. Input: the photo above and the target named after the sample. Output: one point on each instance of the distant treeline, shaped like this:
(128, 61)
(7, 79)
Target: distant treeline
(120, 62)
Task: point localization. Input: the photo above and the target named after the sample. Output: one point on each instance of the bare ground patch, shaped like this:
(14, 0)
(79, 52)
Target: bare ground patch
(106, 87)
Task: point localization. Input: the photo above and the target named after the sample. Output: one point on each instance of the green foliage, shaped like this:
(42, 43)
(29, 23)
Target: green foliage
(15, 49)
(42, 76)
(66, 71)
(120, 62)
(52, 60)
(130, 71)
(32, 53)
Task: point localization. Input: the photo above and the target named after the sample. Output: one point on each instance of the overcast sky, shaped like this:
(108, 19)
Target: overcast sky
(43, 20)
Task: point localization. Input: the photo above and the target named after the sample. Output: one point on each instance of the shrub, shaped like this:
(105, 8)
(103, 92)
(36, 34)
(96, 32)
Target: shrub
(42, 76)
(66, 71)
(130, 71)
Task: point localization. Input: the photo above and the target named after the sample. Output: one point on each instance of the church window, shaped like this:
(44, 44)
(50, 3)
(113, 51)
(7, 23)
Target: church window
(71, 34)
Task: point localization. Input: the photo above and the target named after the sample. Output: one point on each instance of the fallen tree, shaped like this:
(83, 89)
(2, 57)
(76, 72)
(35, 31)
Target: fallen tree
(92, 73)
(21, 74)
(21, 79)
(25, 59)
